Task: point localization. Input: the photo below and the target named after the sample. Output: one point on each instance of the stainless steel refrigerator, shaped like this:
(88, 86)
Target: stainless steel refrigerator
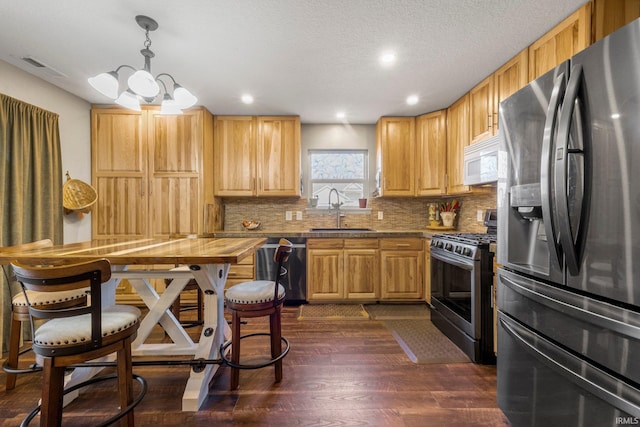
(569, 241)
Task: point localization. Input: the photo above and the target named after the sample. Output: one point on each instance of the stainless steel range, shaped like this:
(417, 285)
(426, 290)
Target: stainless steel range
(462, 289)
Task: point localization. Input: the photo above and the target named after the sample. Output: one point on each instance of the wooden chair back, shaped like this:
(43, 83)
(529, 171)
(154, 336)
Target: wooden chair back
(89, 274)
(280, 257)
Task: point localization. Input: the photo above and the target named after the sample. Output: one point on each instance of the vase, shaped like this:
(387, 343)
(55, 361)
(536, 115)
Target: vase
(447, 218)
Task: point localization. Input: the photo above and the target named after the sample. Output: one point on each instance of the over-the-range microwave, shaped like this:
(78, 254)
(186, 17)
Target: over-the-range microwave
(481, 161)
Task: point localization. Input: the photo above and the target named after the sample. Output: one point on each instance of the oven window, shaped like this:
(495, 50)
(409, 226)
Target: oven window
(451, 285)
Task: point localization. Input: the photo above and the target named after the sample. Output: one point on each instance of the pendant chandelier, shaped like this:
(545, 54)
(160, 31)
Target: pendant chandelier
(141, 85)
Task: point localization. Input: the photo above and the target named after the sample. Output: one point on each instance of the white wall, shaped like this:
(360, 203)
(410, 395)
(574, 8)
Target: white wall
(342, 136)
(75, 132)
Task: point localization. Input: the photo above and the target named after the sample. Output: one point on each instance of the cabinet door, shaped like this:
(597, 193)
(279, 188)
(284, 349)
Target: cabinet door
(481, 110)
(278, 156)
(175, 163)
(119, 171)
(401, 273)
(324, 272)
(396, 147)
(457, 139)
(609, 15)
(234, 155)
(431, 141)
(427, 271)
(565, 40)
(361, 273)
(509, 78)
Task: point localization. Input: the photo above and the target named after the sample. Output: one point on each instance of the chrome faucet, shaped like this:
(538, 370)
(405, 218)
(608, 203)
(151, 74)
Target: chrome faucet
(336, 206)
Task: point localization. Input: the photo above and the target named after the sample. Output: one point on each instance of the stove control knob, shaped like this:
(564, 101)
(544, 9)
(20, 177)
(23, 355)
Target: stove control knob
(448, 246)
(458, 249)
(467, 252)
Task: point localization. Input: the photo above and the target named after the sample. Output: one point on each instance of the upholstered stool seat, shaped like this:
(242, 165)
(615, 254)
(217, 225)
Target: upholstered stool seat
(57, 333)
(255, 299)
(20, 311)
(253, 292)
(47, 298)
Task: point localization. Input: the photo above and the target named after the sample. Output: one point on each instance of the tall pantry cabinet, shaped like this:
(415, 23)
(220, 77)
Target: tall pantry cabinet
(150, 171)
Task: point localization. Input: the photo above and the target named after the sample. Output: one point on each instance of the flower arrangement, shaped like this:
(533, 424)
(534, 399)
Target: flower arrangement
(452, 206)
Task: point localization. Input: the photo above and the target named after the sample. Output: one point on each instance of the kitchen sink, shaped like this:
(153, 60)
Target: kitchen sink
(343, 230)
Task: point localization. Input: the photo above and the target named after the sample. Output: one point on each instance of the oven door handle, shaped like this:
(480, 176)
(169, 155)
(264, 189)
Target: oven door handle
(443, 256)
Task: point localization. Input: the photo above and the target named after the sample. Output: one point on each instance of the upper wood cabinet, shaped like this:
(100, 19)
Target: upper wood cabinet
(431, 153)
(562, 42)
(149, 172)
(395, 140)
(457, 138)
(609, 15)
(485, 98)
(257, 156)
(481, 109)
(234, 155)
(278, 156)
(508, 79)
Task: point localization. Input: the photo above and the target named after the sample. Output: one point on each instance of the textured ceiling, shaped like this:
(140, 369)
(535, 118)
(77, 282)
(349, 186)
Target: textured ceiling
(305, 57)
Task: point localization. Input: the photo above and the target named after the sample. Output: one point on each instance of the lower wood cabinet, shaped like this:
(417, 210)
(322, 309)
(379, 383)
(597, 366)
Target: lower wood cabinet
(427, 271)
(365, 269)
(401, 268)
(342, 269)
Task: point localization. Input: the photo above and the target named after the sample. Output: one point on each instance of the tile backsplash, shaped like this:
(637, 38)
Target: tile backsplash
(398, 213)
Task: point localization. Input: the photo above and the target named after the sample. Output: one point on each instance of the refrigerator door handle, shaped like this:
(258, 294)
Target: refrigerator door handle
(595, 381)
(561, 154)
(545, 166)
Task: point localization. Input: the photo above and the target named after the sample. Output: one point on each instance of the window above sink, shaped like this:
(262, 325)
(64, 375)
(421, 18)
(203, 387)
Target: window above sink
(344, 170)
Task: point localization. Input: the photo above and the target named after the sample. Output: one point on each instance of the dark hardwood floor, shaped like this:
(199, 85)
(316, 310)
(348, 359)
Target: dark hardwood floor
(337, 373)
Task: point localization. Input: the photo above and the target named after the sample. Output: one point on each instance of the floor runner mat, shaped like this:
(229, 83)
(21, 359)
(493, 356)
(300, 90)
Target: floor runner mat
(424, 343)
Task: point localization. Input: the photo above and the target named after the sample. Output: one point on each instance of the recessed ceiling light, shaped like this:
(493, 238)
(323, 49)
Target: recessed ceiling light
(340, 115)
(388, 58)
(412, 99)
(247, 99)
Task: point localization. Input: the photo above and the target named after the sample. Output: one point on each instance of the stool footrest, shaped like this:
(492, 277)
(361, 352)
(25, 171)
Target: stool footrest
(122, 413)
(224, 347)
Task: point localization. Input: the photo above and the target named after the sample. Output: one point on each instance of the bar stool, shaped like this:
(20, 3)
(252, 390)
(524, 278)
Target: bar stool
(20, 312)
(255, 299)
(79, 334)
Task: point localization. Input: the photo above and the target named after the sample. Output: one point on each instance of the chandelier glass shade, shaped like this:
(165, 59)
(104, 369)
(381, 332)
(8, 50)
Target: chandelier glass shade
(141, 84)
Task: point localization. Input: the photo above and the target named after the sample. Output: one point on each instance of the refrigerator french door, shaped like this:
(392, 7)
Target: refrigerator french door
(569, 233)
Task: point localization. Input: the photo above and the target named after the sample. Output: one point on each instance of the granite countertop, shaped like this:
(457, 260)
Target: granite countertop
(342, 233)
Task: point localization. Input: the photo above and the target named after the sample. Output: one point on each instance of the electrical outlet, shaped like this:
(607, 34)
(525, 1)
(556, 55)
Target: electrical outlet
(380, 215)
(288, 216)
(480, 215)
(298, 216)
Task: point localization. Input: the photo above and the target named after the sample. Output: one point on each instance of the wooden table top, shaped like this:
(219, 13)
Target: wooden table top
(200, 250)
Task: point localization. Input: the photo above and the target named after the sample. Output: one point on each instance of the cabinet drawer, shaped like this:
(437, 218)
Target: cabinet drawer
(247, 261)
(325, 244)
(241, 272)
(401, 244)
(361, 243)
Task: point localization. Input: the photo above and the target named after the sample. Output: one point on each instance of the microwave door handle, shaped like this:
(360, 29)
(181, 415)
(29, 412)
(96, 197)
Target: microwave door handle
(545, 165)
(562, 153)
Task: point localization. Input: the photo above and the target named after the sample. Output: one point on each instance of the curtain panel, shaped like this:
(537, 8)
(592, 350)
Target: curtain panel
(30, 184)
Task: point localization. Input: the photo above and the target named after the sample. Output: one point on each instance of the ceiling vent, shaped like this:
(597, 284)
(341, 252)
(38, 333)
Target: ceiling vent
(42, 67)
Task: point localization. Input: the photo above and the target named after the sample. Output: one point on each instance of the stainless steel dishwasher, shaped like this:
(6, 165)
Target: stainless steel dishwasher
(295, 279)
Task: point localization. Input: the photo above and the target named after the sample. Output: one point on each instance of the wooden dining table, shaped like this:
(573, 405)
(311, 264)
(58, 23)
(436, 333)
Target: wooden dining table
(207, 259)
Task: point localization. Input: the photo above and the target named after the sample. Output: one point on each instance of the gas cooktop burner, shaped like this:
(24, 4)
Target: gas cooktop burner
(476, 239)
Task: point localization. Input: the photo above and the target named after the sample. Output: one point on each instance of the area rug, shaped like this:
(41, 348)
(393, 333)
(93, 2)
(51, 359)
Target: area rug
(398, 311)
(424, 343)
(332, 312)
